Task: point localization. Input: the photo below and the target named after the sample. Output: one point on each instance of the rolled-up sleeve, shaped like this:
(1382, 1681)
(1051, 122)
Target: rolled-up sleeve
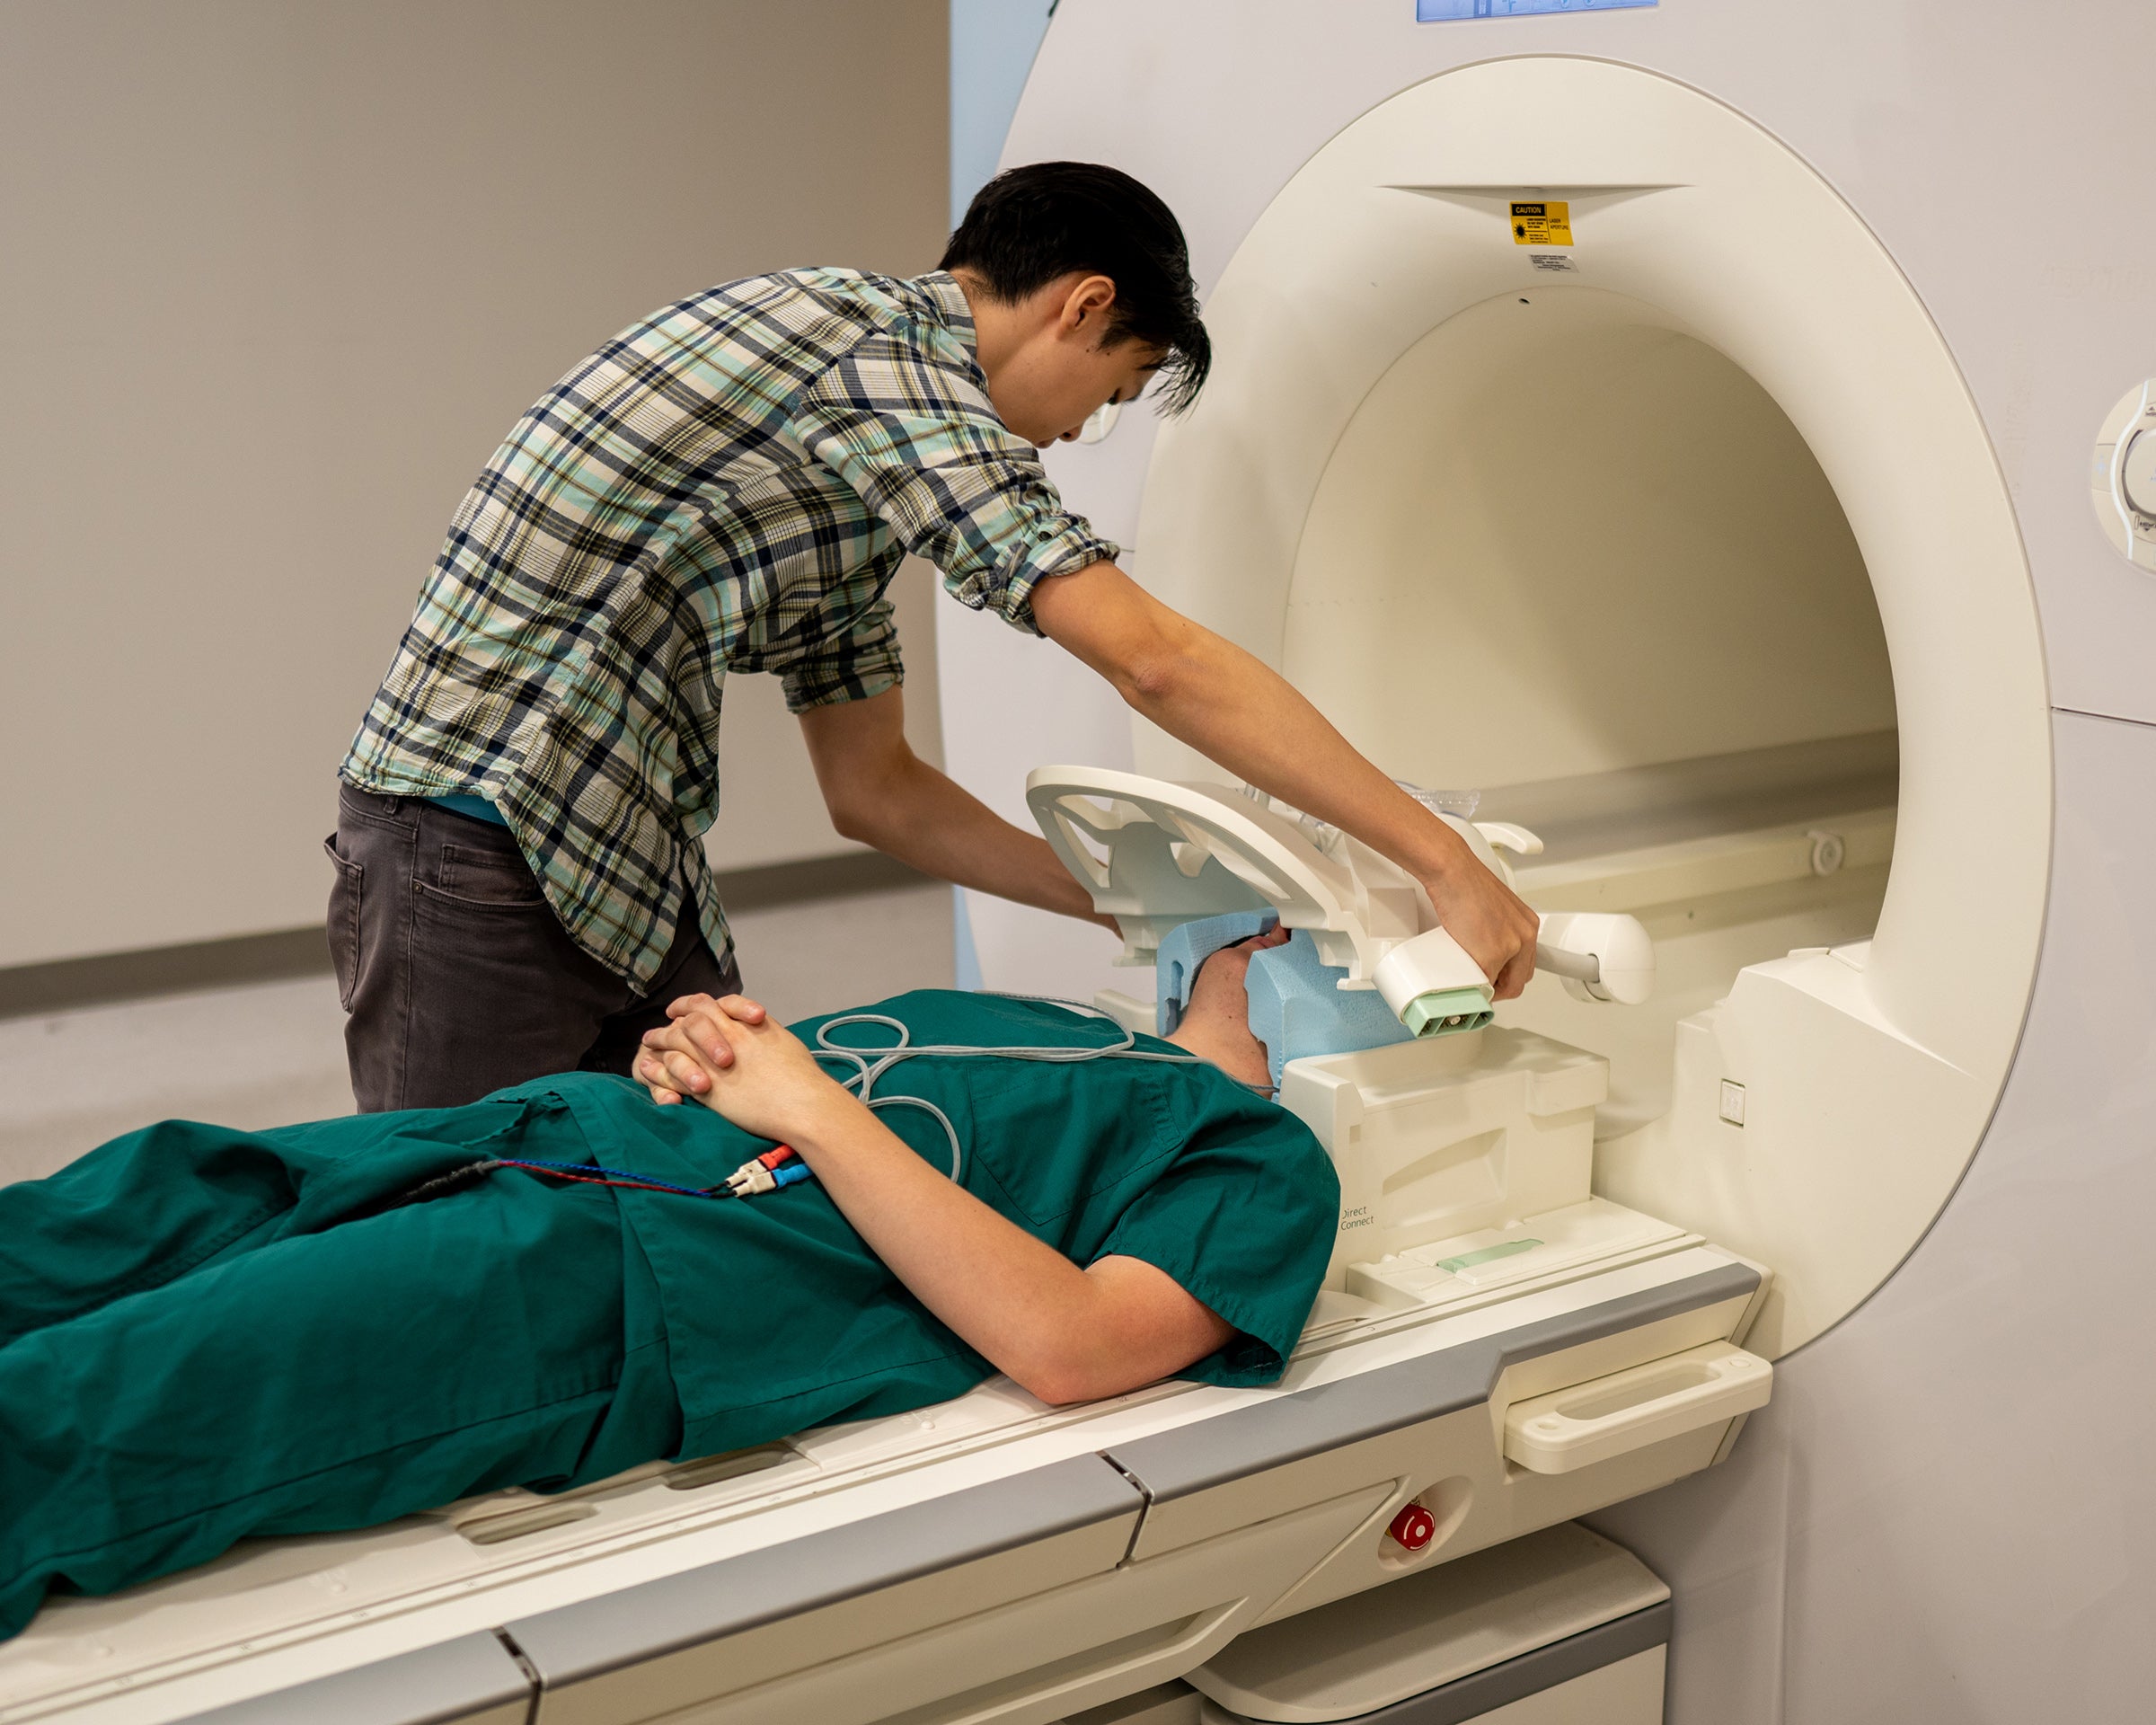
(859, 661)
(912, 432)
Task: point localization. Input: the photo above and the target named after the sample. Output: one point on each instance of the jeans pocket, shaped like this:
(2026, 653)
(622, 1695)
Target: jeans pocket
(489, 877)
(345, 892)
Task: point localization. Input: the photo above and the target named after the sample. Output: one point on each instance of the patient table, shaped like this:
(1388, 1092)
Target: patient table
(1495, 1350)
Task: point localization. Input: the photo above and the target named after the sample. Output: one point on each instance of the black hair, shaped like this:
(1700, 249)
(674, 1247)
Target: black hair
(1026, 227)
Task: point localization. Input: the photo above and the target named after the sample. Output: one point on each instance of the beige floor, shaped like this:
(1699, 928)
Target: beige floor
(273, 1053)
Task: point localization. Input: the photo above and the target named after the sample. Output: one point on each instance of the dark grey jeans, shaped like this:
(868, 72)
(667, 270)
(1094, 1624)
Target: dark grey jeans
(456, 974)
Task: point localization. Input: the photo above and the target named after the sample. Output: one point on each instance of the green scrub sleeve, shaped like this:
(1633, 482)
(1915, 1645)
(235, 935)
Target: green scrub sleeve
(1244, 1221)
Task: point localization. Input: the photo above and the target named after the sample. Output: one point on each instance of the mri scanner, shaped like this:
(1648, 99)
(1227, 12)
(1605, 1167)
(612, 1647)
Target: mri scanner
(1743, 549)
(1731, 540)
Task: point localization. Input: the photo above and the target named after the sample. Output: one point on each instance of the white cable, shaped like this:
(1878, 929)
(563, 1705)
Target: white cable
(871, 1064)
(1582, 967)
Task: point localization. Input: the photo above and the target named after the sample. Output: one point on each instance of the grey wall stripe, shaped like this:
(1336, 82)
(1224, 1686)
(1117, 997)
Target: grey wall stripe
(451, 1681)
(63, 983)
(817, 877)
(658, 1617)
(288, 952)
(1484, 1692)
(1207, 1453)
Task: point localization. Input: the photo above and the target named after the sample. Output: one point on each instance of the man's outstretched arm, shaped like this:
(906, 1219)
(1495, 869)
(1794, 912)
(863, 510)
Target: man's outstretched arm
(882, 793)
(1239, 712)
(1063, 1334)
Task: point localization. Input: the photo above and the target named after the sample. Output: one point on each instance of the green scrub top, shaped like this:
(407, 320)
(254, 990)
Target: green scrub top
(207, 1333)
(778, 1315)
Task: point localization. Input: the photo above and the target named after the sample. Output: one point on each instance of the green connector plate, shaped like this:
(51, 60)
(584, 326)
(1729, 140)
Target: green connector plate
(1446, 1011)
(1488, 1255)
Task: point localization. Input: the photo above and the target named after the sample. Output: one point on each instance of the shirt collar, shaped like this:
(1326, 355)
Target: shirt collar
(949, 301)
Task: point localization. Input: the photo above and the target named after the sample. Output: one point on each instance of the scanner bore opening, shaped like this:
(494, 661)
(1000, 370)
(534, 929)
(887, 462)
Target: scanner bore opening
(1569, 552)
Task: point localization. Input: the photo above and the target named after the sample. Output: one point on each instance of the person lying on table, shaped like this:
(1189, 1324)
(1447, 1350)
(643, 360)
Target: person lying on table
(207, 1333)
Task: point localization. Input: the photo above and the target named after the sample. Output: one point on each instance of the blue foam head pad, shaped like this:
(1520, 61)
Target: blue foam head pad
(1297, 1006)
(1188, 945)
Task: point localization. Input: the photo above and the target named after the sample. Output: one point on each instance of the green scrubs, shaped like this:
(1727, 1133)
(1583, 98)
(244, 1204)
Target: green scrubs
(207, 1333)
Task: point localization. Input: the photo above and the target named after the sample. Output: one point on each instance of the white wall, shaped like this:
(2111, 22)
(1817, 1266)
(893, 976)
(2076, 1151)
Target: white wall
(276, 278)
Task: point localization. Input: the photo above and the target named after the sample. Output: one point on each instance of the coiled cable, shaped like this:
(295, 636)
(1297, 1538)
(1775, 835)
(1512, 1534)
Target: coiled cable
(780, 1166)
(869, 1064)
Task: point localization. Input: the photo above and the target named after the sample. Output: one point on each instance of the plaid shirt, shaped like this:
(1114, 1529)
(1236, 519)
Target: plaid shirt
(729, 485)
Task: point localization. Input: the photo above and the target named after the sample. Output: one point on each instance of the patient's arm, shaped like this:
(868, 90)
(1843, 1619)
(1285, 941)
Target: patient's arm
(1064, 1333)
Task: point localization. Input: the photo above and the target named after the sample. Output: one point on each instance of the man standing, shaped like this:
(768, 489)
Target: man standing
(730, 485)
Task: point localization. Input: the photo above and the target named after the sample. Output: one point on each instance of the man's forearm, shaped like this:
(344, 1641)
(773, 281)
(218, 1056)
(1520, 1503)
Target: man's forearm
(1236, 711)
(882, 793)
(1249, 718)
(925, 819)
(1240, 713)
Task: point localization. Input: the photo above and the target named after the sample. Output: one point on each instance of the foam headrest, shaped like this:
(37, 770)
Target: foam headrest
(1297, 1006)
(1185, 948)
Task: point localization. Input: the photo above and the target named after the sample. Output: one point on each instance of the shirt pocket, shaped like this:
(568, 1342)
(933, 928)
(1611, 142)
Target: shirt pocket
(1053, 1138)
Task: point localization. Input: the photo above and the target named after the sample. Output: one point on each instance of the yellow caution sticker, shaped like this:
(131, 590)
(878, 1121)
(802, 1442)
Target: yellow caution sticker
(1541, 223)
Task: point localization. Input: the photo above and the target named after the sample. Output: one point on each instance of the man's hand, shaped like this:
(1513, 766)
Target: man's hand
(715, 1048)
(769, 1085)
(1492, 923)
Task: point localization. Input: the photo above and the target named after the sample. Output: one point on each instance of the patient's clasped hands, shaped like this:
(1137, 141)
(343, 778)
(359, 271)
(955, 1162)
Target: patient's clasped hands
(729, 1055)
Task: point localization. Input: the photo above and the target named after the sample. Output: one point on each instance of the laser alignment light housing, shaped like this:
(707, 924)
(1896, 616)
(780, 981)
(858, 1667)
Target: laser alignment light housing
(2122, 476)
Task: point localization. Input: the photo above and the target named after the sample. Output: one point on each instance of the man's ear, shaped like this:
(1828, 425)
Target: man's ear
(1087, 308)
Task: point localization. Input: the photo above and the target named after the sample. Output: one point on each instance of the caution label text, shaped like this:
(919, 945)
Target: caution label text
(1541, 223)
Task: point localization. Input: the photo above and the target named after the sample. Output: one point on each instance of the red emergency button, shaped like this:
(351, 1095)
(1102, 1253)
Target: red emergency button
(1413, 1528)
